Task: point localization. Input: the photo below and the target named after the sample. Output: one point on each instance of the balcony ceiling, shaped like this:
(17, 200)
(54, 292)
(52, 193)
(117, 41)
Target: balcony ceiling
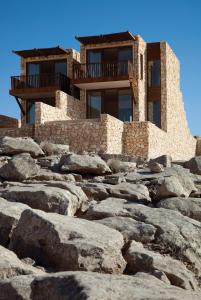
(103, 85)
(106, 38)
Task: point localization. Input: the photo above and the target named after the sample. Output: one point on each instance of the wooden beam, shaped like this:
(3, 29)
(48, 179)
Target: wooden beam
(20, 105)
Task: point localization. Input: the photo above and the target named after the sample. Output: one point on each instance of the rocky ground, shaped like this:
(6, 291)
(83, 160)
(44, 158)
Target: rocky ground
(83, 226)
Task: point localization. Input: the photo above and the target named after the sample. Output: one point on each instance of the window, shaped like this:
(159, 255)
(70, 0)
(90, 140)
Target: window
(94, 104)
(154, 112)
(141, 66)
(124, 105)
(61, 67)
(154, 76)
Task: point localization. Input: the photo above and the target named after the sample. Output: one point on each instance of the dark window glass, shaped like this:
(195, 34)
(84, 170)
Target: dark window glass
(94, 104)
(33, 69)
(61, 67)
(154, 112)
(154, 73)
(125, 105)
(125, 54)
(30, 112)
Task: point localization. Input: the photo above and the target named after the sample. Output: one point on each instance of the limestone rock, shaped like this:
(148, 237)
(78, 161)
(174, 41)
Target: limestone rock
(140, 259)
(95, 191)
(65, 243)
(9, 216)
(170, 187)
(84, 164)
(20, 167)
(190, 207)
(46, 198)
(155, 167)
(130, 229)
(121, 166)
(176, 234)
(11, 265)
(130, 191)
(54, 149)
(91, 286)
(194, 165)
(164, 160)
(48, 175)
(11, 146)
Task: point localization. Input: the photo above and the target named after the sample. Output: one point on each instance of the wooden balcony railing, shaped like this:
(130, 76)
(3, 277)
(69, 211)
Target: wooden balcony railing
(56, 80)
(94, 71)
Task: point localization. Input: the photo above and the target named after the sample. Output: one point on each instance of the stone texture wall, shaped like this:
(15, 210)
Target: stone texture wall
(25, 131)
(93, 135)
(9, 122)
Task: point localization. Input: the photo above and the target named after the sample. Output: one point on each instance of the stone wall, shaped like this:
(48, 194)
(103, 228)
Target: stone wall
(198, 146)
(25, 131)
(9, 122)
(93, 135)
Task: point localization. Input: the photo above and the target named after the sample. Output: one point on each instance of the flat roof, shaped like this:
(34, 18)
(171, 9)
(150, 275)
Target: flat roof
(42, 52)
(106, 38)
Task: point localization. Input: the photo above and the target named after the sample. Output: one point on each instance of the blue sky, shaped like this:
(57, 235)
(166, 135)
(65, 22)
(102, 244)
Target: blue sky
(46, 23)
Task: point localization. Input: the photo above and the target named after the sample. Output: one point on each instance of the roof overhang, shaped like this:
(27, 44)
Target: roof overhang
(106, 38)
(42, 52)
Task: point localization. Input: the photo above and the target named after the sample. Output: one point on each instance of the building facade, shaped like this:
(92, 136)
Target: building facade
(118, 95)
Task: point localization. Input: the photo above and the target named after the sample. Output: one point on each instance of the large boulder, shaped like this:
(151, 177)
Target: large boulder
(176, 234)
(130, 228)
(54, 149)
(190, 207)
(11, 265)
(140, 259)
(155, 167)
(95, 191)
(65, 243)
(47, 198)
(130, 191)
(194, 165)
(10, 214)
(11, 146)
(84, 164)
(20, 167)
(91, 286)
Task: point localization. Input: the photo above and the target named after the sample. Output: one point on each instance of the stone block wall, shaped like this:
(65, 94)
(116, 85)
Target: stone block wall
(25, 131)
(9, 122)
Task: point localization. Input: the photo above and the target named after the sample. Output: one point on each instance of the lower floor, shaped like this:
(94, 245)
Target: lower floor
(117, 102)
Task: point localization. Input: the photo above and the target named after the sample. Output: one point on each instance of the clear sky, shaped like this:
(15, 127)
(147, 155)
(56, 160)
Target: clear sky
(28, 24)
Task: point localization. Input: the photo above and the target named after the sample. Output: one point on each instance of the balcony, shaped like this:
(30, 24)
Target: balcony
(103, 75)
(38, 86)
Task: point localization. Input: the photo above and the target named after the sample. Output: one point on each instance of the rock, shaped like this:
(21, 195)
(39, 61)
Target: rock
(20, 167)
(46, 198)
(176, 235)
(4, 160)
(11, 146)
(121, 166)
(91, 286)
(130, 229)
(54, 149)
(48, 175)
(130, 191)
(140, 259)
(11, 265)
(65, 243)
(9, 216)
(190, 207)
(170, 187)
(194, 165)
(114, 179)
(51, 162)
(84, 164)
(164, 160)
(155, 167)
(95, 191)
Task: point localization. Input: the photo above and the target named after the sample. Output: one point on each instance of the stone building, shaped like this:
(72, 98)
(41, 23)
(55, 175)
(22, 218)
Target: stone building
(118, 95)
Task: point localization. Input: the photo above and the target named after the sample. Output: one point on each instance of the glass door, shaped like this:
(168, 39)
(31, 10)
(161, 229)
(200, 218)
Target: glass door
(125, 105)
(94, 59)
(33, 72)
(124, 55)
(94, 104)
(30, 112)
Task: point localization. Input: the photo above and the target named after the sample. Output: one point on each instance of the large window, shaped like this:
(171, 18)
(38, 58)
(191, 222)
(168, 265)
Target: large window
(154, 73)
(115, 102)
(94, 104)
(47, 67)
(154, 112)
(30, 112)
